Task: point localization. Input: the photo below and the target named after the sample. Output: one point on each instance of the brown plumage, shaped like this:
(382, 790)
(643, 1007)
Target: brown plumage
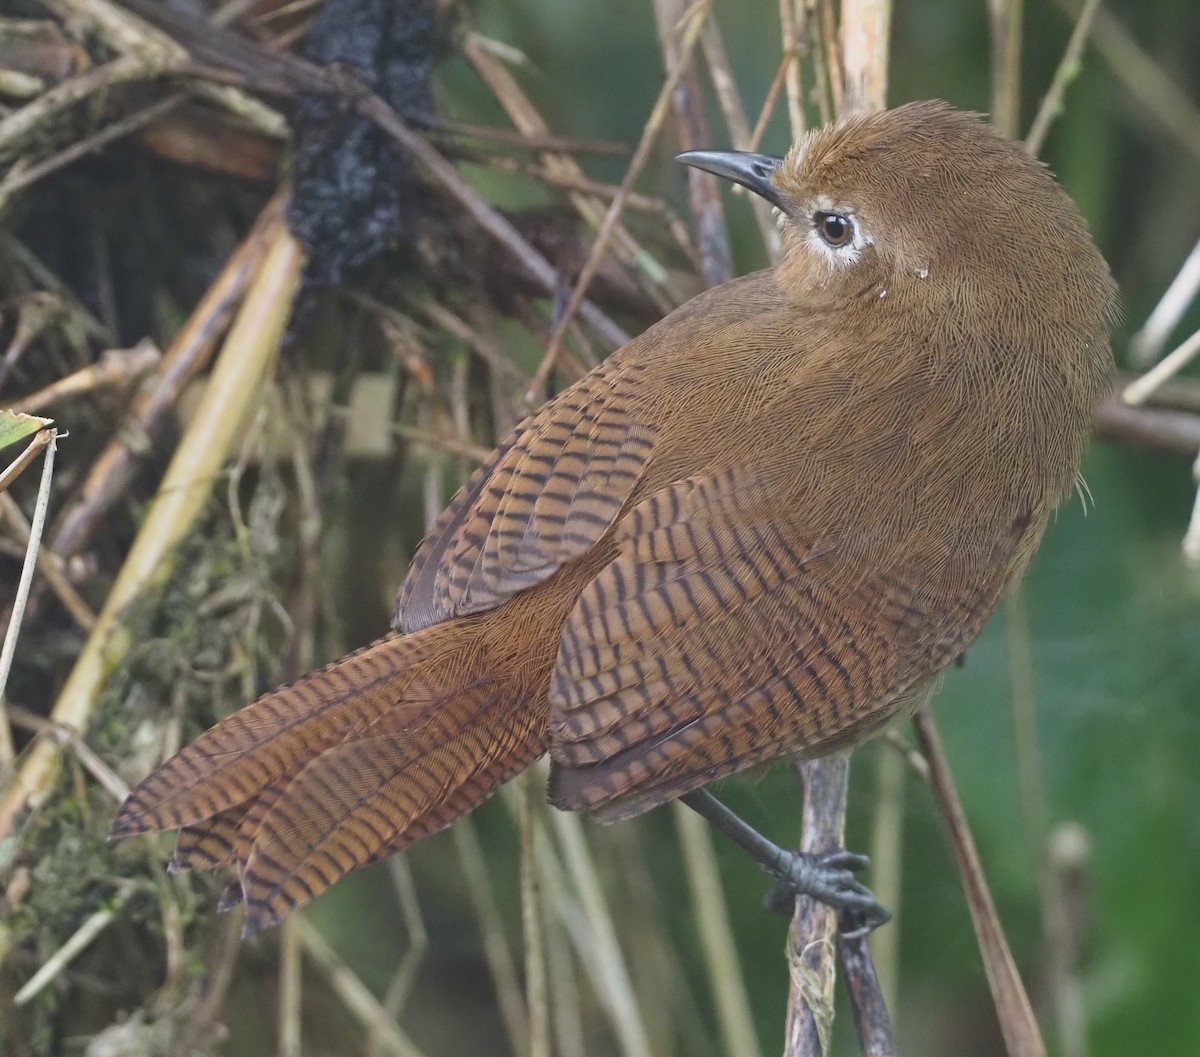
(762, 527)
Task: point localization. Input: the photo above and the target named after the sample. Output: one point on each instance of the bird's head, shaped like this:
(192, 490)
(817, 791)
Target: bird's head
(927, 205)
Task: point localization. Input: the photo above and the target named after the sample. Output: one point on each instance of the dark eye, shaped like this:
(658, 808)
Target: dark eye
(835, 229)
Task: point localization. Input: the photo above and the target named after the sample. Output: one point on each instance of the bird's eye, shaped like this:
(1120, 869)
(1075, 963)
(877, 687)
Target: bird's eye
(835, 229)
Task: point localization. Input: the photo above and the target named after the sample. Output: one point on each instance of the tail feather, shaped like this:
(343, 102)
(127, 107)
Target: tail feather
(372, 797)
(253, 748)
(342, 768)
(211, 844)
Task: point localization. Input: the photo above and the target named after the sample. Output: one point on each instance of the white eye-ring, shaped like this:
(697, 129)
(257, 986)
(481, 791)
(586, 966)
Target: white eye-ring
(836, 233)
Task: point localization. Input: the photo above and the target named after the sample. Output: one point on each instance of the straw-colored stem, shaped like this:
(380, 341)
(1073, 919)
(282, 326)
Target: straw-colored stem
(232, 392)
(291, 990)
(353, 993)
(496, 948)
(537, 984)
(13, 630)
(711, 914)
(616, 989)
(79, 941)
(1005, 17)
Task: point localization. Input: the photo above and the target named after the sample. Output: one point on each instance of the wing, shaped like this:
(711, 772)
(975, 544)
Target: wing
(545, 497)
(717, 639)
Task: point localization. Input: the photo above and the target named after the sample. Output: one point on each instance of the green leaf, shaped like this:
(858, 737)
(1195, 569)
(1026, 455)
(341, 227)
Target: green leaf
(15, 426)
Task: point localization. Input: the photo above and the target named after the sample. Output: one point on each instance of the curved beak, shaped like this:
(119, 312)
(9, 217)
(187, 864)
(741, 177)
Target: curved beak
(752, 171)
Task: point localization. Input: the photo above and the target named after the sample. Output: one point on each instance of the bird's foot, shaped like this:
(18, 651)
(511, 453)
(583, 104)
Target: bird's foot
(828, 878)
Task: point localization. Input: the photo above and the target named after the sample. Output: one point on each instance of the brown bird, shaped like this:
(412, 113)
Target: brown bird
(761, 528)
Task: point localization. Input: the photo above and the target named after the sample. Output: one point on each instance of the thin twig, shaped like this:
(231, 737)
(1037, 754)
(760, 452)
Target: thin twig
(488, 218)
(730, 100)
(400, 986)
(1139, 390)
(24, 122)
(353, 993)
(220, 960)
(1164, 430)
(50, 565)
(1146, 345)
(887, 863)
(79, 941)
(286, 72)
(1157, 93)
(22, 596)
(442, 442)
(555, 178)
(650, 133)
(483, 344)
(1017, 1023)
(17, 180)
(1068, 69)
(103, 775)
(525, 116)
(116, 367)
(30, 452)
(872, 1022)
(119, 27)
(772, 96)
(526, 140)
(831, 40)
(691, 132)
(49, 284)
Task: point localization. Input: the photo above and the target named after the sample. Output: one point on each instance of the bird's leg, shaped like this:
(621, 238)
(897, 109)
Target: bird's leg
(828, 877)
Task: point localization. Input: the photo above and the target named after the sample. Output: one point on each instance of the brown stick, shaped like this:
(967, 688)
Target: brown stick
(1158, 428)
(1022, 1037)
(871, 1019)
(691, 133)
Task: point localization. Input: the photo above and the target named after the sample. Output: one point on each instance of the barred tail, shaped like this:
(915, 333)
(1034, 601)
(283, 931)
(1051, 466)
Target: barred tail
(345, 766)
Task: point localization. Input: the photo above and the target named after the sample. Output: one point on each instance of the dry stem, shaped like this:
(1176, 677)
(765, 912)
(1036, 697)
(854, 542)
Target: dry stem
(231, 392)
(1017, 1023)
(650, 133)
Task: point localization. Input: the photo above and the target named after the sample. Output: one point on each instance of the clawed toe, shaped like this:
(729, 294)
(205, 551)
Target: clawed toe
(829, 878)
